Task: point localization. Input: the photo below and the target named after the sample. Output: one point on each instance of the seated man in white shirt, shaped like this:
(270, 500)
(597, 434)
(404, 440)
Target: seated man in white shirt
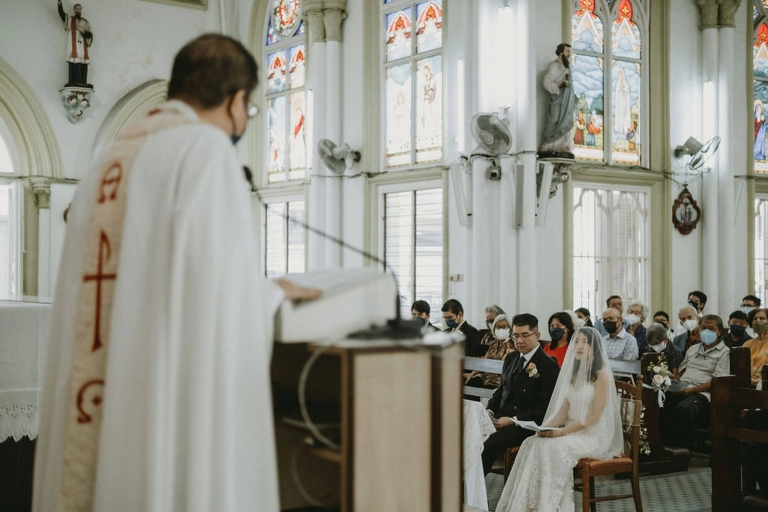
(619, 344)
(687, 400)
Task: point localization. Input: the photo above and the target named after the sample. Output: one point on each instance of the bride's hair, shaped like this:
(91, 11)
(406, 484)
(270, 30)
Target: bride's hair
(597, 356)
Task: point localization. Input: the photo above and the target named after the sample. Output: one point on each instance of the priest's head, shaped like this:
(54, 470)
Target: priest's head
(216, 75)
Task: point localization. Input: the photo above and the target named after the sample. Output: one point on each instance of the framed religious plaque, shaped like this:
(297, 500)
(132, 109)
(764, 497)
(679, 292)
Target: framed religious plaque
(686, 214)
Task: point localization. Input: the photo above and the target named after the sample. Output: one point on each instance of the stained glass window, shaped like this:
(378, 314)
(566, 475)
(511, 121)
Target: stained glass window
(413, 82)
(621, 83)
(285, 55)
(760, 90)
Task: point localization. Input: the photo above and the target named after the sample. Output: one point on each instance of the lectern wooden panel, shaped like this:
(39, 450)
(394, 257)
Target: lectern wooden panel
(397, 423)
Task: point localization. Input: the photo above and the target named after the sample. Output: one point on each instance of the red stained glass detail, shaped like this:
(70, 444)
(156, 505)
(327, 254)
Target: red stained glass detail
(762, 34)
(625, 10)
(588, 5)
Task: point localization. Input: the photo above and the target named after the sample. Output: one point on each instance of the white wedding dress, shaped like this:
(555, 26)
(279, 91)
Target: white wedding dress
(542, 476)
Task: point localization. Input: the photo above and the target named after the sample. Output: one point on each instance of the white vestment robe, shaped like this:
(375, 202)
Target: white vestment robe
(187, 410)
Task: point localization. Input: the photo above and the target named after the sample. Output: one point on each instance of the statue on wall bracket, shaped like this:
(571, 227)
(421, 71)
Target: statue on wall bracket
(557, 138)
(76, 94)
(686, 214)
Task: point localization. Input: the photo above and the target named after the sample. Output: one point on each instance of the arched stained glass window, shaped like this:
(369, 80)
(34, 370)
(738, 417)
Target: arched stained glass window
(609, 99)
(413, 81)
(285, 55)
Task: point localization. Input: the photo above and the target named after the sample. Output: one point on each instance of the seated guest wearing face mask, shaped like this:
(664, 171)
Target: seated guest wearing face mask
(758, 347)
(635, 316)
(687, 400)
(491, 312)
(453, 315)
(737, 333)
(658, 343)
(689, 321)
(560, 332)
(661, 317)
(748, 303)
(584, 317)
(619, 344)
(501, 345)
(420, 309)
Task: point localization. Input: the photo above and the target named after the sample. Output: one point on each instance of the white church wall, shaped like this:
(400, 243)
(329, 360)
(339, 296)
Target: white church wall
(686, 90)
(132, 45)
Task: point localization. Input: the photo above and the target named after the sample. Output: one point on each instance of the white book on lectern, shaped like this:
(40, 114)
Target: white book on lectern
(352, 300)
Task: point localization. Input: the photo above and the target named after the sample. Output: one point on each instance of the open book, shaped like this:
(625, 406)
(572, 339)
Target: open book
(531, 425)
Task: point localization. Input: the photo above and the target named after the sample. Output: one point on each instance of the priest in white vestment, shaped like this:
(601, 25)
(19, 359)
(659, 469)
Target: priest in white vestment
(183, 321)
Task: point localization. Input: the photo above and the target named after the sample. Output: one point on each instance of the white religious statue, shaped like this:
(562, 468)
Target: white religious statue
(623, 119)
(79, 39)
(557, 138)
(157, 393)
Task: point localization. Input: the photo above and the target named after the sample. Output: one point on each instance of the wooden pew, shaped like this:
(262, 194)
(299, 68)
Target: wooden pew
(730, 402)
(479, 364)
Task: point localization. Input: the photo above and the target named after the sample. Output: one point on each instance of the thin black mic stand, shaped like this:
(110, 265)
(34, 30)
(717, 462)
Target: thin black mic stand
(396, 328)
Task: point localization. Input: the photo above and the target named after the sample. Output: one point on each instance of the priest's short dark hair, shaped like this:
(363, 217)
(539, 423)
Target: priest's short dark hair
(210, 69)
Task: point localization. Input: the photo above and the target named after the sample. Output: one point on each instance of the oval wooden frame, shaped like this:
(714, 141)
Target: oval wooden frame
(685, 198)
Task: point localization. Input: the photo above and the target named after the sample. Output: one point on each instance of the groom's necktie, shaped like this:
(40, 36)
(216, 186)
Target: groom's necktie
(520, 364)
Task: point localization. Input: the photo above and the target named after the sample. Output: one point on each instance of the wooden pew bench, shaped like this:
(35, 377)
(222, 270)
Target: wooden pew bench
(732, 405)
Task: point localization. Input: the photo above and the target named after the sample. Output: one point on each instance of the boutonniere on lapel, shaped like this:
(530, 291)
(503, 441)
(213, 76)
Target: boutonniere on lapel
(532, 371)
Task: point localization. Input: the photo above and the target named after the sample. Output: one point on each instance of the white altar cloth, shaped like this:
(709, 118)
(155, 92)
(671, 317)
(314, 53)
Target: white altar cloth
(24, 326)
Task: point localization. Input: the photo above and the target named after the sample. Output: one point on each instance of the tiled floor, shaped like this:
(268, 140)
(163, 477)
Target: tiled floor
(679, 492)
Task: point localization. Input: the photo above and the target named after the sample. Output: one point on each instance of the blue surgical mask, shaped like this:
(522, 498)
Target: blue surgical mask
(451, 324)
(708, 337)
(746, 309)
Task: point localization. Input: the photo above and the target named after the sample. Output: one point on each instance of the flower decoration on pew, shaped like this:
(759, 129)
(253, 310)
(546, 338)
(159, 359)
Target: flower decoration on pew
(660, 379)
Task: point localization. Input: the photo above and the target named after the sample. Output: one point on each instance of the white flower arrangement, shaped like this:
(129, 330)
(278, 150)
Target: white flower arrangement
(660, 376)
(532, 371)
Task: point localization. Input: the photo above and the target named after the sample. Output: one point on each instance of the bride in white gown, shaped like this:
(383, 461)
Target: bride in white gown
(585, 405)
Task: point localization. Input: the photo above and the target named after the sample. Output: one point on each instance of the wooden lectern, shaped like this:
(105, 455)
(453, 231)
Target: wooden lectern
(391, 410)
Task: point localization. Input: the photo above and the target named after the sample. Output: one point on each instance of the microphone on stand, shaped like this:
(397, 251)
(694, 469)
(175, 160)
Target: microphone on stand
(395, 328)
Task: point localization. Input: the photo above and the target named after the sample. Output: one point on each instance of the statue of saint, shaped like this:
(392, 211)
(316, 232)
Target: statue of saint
(557, 138)
(79, 38)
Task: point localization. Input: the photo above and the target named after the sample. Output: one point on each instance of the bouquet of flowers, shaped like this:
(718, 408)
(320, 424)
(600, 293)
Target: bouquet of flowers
(660, 379)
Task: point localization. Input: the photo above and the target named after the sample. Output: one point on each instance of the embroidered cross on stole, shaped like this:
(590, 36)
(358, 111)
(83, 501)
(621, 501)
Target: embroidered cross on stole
(99, 279)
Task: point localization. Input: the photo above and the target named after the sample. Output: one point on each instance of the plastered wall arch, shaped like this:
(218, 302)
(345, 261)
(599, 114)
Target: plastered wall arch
(30, 129)
(132, 106)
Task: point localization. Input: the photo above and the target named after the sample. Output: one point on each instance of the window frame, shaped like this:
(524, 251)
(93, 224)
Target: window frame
(270, 196)
(640, 17)
(619, 187)
(265, 96)
(420, 179)
(382, 64)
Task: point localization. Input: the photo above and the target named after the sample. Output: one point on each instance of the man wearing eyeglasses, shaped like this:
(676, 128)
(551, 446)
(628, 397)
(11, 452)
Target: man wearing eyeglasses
(157, 386)
(527, 381)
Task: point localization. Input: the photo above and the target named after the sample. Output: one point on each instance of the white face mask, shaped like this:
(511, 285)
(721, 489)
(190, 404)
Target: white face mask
(690, 325)
(632, 319)
(660, 347)
(502, 334)
(580, 323)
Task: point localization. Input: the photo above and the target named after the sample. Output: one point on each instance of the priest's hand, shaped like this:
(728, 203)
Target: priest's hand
(296, 293)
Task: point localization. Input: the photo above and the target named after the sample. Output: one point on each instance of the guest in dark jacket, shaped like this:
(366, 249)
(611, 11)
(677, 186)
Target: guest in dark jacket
(453, 315)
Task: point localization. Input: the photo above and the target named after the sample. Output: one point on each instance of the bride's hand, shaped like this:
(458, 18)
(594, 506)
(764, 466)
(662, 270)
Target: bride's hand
(550, 433)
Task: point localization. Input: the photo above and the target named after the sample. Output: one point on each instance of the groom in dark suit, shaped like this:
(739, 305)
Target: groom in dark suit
(527, 382)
